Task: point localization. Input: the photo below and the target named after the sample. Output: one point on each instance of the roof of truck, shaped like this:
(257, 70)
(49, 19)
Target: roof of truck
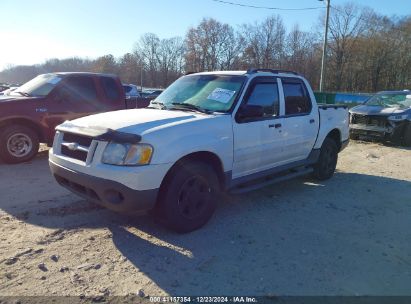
(84, 73)
(248, 72)
(222, 73)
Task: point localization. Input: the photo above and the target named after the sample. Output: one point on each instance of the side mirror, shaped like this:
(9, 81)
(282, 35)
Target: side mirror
(250, 111)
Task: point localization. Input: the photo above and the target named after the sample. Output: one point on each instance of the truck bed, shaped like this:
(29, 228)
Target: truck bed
(333, 116)
(326, 106)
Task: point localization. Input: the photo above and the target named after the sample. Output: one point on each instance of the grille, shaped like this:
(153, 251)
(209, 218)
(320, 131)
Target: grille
(369, 120)
(83, 144)
(80, 139)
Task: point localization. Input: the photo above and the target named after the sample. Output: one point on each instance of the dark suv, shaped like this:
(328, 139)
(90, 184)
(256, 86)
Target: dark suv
(386, 116)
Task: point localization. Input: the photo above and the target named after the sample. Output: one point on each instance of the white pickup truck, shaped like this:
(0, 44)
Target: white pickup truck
(208, 132)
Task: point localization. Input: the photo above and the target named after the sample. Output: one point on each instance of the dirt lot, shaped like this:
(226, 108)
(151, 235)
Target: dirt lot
(350, 235)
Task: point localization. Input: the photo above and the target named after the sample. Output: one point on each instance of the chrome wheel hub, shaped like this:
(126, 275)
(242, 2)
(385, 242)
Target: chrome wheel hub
(19, 145)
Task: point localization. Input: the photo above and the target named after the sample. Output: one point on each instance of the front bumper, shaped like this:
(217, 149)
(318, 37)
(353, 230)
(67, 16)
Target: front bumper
(392, 132)
(369, 131)
(107, 193)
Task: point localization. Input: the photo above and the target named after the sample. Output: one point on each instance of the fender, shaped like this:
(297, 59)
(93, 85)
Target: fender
(27, 121)
(212, 135)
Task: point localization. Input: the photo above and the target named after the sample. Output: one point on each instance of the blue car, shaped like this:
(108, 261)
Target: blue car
(386, 116)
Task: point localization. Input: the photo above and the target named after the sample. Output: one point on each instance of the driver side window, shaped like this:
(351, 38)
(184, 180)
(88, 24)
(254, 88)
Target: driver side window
(266, 96)
(78, 89)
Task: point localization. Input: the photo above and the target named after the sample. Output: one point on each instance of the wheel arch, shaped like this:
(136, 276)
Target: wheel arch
(335, 134)
(24, 122)
(207, 157)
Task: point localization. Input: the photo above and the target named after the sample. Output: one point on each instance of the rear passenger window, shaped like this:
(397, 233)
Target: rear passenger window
(81, 88)
(110, 88)
(265, 95)
(296, 97)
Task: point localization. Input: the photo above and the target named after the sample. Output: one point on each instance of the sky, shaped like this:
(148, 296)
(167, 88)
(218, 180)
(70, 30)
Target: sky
(36, 30)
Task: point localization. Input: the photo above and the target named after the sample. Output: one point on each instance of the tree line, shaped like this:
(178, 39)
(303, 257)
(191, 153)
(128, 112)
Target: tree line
(367, 52)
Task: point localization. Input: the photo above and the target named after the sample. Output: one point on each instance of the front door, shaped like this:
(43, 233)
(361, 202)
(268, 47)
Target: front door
(74, 97)
(257, 141)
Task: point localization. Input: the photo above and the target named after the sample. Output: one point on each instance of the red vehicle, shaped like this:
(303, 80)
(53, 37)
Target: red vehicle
(29, 114)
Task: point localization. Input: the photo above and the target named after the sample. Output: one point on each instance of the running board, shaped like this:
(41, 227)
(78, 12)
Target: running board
(272, 180)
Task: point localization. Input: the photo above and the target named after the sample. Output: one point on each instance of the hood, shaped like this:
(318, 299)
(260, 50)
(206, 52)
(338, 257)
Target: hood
(376, 110)
(136, 121)
(4, 98)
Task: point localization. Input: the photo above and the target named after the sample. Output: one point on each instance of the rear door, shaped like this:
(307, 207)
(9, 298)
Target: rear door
(257, 141)
(301, 123)
(114, 95)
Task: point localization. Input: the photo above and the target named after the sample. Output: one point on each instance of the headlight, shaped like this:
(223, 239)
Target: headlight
(398, 117)
(127, 154)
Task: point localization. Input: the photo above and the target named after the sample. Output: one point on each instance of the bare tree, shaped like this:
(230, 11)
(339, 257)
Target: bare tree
(129, 68)
(264, 43)
(170, 59)
(147, 49)
(367, 52)
(347, 23)
(105, 64)
(300, 48)
(210, 46)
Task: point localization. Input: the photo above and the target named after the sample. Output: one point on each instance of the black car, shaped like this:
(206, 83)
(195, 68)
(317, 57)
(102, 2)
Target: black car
(386, 116)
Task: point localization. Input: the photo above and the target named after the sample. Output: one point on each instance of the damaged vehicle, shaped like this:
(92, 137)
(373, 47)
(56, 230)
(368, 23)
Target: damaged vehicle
(385, 116)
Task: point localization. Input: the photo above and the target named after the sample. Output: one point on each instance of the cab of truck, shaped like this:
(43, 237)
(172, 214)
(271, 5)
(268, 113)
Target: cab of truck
(29, 114)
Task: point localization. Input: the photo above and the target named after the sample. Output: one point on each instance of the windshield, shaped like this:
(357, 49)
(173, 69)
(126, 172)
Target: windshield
(39, 86)
(209, 92)
(390, 100)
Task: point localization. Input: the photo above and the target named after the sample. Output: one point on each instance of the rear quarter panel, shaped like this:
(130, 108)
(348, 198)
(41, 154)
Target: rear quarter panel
(332, 118)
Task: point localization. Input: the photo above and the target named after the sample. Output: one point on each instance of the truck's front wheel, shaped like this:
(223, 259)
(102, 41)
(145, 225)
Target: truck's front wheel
(188, 199)
(18, 144)
(327, 162)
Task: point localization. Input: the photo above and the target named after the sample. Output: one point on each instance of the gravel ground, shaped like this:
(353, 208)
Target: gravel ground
(350, 235)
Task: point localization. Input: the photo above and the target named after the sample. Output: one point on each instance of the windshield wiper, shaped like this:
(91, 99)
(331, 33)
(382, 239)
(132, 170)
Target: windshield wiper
(160, 105)
(22, 93)
(190, 106)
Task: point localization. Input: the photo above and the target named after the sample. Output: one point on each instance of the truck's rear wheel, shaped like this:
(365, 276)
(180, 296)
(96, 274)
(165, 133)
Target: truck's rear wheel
(407, 136)
(18, 144)
(327, 162)
(188, 199)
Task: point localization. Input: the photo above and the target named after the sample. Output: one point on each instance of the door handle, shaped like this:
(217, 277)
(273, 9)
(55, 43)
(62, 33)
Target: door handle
(312, 120)
(278, 125)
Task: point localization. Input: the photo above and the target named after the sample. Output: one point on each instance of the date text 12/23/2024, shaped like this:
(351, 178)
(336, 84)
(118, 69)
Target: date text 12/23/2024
(206, 299)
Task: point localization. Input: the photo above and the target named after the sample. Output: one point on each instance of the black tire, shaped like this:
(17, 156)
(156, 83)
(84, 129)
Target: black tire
(406, 140)
(188, 198)
(18, 144)
(327, 162)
